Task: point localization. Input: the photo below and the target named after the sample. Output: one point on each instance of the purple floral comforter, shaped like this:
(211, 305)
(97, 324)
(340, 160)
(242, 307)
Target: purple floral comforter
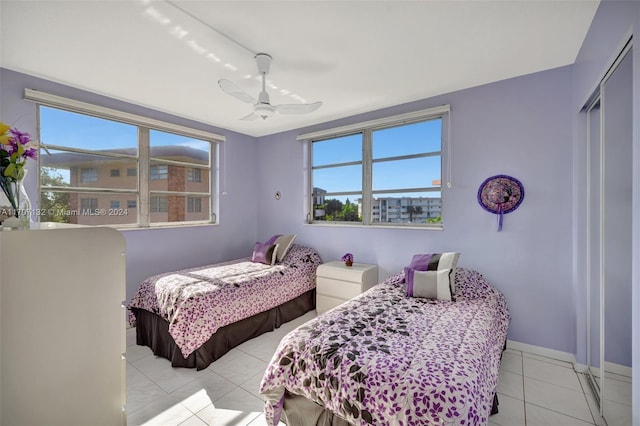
(198, 301)
(387, 359)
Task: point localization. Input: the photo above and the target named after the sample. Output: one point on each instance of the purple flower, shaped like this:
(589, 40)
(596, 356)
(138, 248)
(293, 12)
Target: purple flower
(348, 257)
(31, 153)
(18, 136)
(15, 148)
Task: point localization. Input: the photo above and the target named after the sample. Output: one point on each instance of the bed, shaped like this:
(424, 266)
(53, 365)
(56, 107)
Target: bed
(384, 358)
(194, 316)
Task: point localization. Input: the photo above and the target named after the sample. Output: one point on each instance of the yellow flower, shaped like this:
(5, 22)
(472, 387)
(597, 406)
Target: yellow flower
(4, 133)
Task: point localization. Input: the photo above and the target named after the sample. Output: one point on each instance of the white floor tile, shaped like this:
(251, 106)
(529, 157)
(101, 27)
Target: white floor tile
(141, 391)
(193, 421)
(261, 421)
(557, 398)
(237, 366)
(165, 411)
(135, 353)
(511, 362)
(548, 360)
(207, 388)
(238, 407)
(617, 414)
(253, 384)
(262, 347)
(510, 412)
(616, 390)
(131, 336)
(551, 373)
(160, 372)
(511, 384)
(538, 416)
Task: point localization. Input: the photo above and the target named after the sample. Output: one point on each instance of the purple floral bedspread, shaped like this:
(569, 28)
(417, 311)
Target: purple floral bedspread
(198, 301)
(386, 359)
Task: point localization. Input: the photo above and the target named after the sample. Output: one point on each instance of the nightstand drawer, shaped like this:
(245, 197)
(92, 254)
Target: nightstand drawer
(357, 273)
(324, 303)
(337, 288)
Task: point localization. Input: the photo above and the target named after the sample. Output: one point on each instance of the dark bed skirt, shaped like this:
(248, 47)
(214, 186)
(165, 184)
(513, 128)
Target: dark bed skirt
(153, 331)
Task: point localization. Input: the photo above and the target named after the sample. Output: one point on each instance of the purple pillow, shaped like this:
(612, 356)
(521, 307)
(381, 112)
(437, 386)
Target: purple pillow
(420, 262)
(273, 239)
(436, 262)
(263, 253)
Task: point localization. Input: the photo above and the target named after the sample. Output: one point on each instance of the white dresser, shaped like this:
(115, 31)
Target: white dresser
(62, 327)
(336, 283)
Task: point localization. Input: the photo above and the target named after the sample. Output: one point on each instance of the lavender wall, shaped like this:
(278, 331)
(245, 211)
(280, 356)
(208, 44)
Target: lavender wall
(151, 251)
(521, 127)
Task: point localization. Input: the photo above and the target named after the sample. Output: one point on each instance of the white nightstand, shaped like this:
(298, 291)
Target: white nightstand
(337, 283)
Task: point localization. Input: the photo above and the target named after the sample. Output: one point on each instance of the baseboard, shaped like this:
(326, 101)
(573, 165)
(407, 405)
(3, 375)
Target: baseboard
(539, 350)
(621, 370)
(580, 368)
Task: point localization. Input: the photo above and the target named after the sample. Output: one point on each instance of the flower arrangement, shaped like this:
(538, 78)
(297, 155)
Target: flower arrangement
(348, 259)
(15, 148)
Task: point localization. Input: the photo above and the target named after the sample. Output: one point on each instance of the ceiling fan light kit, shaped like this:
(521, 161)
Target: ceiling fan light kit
(262, 107)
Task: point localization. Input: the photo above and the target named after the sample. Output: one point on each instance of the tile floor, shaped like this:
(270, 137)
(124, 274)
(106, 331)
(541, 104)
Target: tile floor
(532, 390)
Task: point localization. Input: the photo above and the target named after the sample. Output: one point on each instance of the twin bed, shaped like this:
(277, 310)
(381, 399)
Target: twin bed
(382, 358)
(194, 316)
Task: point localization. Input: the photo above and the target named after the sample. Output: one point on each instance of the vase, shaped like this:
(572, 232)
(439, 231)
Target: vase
(18, 213)
(348, 263)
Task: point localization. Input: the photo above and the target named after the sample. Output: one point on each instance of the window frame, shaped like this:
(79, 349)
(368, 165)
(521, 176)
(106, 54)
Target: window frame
(88, 174)
(142, 193)
(367, 129)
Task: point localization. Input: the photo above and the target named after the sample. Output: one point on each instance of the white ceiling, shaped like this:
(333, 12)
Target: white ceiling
(354, 56)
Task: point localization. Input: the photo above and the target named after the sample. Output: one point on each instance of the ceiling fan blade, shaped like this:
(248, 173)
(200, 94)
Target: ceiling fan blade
(233, 90)
(250, 117)
(298, 108)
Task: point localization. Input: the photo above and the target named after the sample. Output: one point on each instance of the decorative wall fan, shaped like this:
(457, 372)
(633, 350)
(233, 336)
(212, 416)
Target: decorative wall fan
(262, 107)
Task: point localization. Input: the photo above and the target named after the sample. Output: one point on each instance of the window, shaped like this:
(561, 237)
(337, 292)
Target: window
(88, 204)
(159, 204)
(88, 175)
(194, 205)
(90, 144)
(193, 175)
(160, 172)
(380, 172)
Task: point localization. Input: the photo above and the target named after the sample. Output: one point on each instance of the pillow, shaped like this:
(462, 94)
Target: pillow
(437, 262)
(284, 242)
(273, 239)
(428, 284)
(264, 253)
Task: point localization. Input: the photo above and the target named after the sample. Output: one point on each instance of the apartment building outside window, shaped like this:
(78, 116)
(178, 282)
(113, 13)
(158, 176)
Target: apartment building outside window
(88, 146)
(384, 172)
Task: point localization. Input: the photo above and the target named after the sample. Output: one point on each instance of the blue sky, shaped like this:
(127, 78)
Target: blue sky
(419, 172)
(64, 128)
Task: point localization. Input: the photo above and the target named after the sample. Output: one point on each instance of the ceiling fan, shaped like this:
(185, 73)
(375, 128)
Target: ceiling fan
(262, 108)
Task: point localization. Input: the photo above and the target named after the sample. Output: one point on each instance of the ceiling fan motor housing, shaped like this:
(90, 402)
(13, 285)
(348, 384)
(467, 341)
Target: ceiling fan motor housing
(264, 110)
(264, 63)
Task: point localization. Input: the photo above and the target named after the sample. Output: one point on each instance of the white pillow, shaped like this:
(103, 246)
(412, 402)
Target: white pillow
(429, 284)
(284, 244)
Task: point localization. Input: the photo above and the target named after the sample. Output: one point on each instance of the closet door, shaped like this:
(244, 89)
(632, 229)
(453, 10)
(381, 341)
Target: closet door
(594, 286)
(617, 125)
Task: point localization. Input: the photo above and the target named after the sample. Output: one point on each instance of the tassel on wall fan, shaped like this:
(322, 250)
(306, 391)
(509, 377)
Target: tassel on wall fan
(262, 107)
